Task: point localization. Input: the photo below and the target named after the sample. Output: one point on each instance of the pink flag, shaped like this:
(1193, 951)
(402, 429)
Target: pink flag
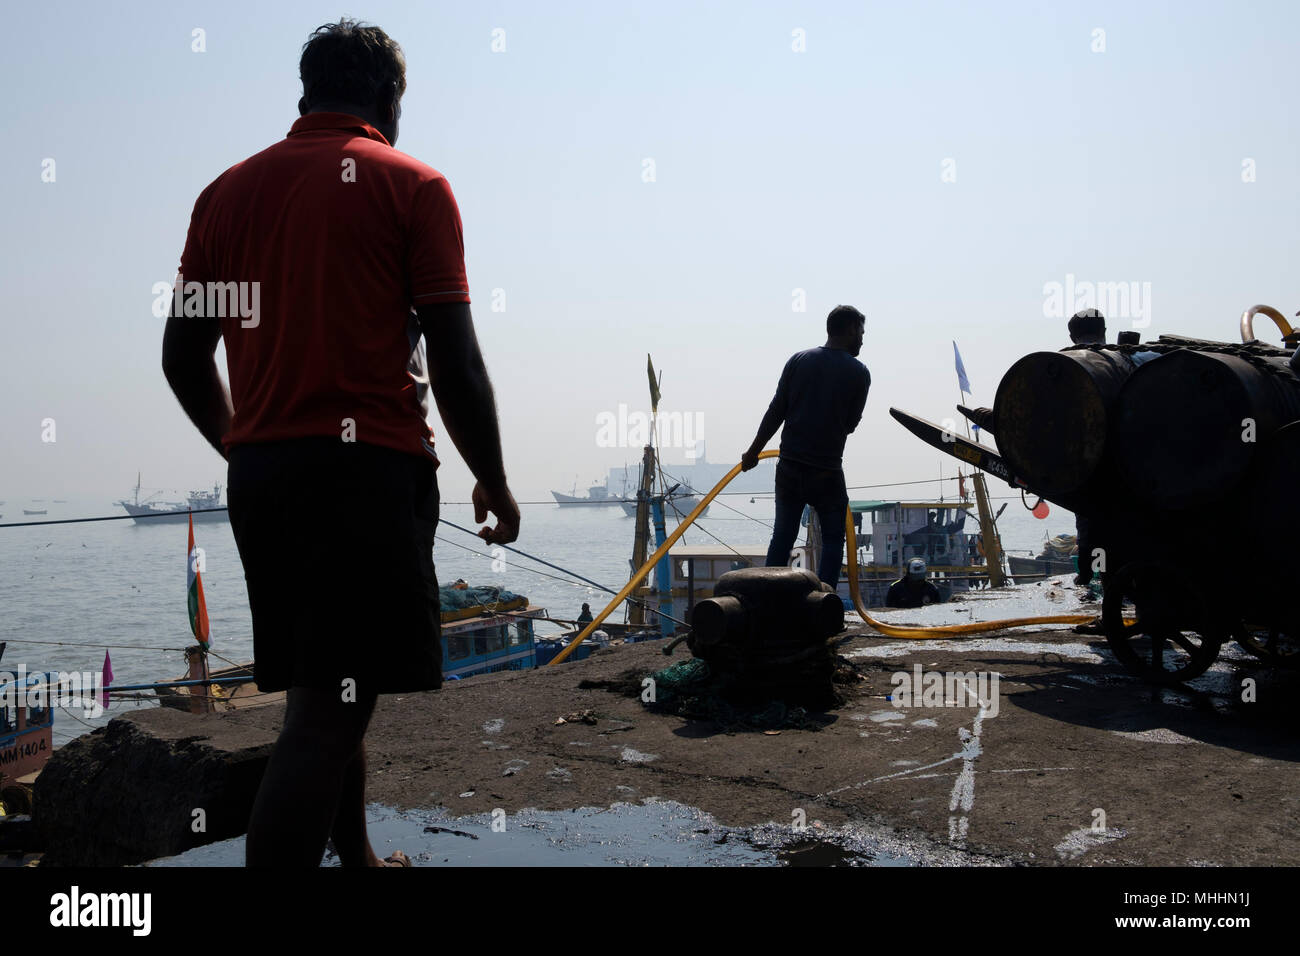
(108, 678)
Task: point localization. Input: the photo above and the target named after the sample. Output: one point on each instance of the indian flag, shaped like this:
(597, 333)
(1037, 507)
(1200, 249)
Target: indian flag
(198, 607)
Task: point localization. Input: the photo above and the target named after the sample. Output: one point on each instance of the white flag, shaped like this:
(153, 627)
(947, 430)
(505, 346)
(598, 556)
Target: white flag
(962, 381)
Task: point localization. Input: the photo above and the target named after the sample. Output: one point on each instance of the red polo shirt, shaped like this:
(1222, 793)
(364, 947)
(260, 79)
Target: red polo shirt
(343, 235)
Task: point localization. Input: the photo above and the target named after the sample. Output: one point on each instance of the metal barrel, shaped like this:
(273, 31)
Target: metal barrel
(1190, 424)
(717, 620)
(1053, 412)
(1265, 503)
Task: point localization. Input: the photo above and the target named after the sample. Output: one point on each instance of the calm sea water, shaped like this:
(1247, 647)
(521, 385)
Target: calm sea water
(68, 593)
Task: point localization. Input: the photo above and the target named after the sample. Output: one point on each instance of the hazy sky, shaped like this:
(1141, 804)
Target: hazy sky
(936, 165)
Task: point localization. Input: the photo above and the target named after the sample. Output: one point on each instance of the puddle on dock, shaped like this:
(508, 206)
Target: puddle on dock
(651, 834)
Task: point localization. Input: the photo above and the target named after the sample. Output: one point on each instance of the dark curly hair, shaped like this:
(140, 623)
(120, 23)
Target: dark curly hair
(350, 62)
(843, 319)
(1089, 324)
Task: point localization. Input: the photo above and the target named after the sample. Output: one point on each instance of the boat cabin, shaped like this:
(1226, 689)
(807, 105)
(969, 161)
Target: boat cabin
(26, 732)
(494, 641)
(694, 570)
(935, 531)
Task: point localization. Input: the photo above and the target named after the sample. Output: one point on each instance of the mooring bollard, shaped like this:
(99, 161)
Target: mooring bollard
(768, 629)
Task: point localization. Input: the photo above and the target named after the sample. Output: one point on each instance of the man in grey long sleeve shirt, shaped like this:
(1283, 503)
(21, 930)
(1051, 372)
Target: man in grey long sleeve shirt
(820, 398)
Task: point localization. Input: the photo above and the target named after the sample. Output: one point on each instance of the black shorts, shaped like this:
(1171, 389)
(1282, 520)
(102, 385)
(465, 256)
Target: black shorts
(336, 539)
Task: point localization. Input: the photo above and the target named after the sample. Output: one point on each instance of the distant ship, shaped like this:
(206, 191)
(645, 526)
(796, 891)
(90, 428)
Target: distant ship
(678, 503)
(596, 495)
(199, 503)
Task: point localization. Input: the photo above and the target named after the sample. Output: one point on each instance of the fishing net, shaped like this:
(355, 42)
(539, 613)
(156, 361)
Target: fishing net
(451, 598)
(694, 690)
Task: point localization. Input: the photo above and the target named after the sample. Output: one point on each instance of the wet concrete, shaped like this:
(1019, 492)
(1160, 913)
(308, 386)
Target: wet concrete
(653, 833)
(1082, 764)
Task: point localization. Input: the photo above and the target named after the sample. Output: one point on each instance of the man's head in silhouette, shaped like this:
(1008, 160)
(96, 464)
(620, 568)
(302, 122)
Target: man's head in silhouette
(1088, 328)
(845, 327)
(350, 68)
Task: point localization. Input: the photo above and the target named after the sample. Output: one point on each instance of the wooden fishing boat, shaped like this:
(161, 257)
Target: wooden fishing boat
(934, 531)
(607, 635)
(477, 638)
(26, 742)
(1055, 558)
(693, 571)
(900, 530)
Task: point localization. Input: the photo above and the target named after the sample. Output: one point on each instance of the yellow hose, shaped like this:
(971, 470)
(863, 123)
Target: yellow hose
(851, 539)
(653, 560)
(940, 631)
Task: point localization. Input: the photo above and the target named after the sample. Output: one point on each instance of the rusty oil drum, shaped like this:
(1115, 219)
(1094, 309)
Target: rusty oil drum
(1190, 425)
(1053, 414)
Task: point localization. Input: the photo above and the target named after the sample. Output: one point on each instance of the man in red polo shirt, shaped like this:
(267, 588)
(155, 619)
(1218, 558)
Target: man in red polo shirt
(321, 260)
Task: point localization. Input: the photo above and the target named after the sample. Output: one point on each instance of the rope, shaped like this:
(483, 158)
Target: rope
(161, 514)
(1025, 501)
(654, 559)
(120, 647)
(766, 495)
(553, 577)
(729, 508)
(1254, 353)
(68, 713)
(763, 495)
(531, 557)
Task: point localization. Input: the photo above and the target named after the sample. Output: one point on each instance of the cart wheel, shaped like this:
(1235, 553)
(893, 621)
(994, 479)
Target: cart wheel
(1272, 646)
(1171, 637)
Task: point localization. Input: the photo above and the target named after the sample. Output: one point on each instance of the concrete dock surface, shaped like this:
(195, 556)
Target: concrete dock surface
(1076, 762)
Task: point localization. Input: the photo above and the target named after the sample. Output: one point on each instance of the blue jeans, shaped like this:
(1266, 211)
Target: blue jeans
(797, 485)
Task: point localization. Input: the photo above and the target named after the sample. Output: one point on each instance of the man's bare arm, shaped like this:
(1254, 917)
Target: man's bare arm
(463, 391)
(190, 365)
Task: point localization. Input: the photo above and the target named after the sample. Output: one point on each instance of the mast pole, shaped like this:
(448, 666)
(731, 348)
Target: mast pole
(988, 528)
(636, 614)
(988, 533)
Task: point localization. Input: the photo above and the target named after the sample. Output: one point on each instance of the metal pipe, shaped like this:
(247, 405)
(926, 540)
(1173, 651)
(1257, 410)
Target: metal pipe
(1248, 321)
